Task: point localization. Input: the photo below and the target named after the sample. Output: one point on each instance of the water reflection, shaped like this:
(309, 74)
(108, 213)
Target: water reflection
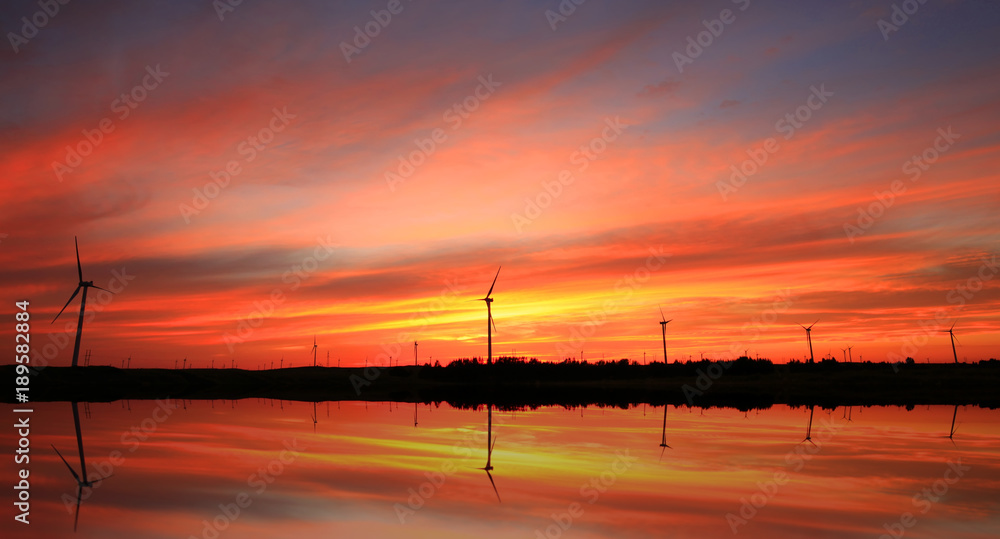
(83, 479)
(367, 473)
(809, 428)
(489, 448)
(663, 437)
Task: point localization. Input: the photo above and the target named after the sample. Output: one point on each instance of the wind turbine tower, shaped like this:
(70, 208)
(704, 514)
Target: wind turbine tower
(809, 339)
(490, 325)
(83, 302)
(663, 330)
(950, 332)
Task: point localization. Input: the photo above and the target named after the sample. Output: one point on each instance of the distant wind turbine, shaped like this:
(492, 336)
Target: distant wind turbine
(809, 339)
(950, 332)
(314, 348)
(663, 330)
(83, 302)
(490, 325)
(850, 358)
(845, 353)
(414, 362)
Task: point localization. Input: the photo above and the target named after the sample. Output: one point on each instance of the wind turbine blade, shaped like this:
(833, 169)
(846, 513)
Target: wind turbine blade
(102, 478)
(803, 327)
(71, 470)
(79, 268)
(814, 323)
(79, 494)
(99, 288)
(953, 325)
(662, 317)
(956, 339)
(495, 491)
(494, 323)
(75, 292)
(494, 282)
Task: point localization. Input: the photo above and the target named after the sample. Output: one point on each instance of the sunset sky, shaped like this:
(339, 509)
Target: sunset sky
(319, 228)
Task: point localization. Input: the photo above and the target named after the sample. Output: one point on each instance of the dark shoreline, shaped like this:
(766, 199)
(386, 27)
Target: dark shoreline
(743, 385)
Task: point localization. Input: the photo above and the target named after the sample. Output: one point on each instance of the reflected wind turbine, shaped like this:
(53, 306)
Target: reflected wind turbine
(809, 429)
(663, 438)
(489, 448)
(81, 479)
(951, 432)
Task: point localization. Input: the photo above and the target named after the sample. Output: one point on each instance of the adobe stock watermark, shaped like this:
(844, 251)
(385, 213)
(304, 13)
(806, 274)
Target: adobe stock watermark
(582, 157)
(454, 116)
(116, 458)
(258, 481)
(249, 147)
(420, 320)
(222, 7)
(363, 35)
(794, 460)
(626, 288)
(925, 500)
(704, 39)
(122, 106)
(30, 27)
(786, 125)
(899, 17)
(566, 8)
(293, 277)
(590, 491)
(956, 297)
(913, 167)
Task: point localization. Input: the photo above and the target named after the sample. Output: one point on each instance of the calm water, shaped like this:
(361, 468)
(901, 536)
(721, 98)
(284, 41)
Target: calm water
(367, 471)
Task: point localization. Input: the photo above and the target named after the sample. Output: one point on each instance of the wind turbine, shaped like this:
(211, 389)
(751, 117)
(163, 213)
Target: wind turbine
(314, 417)
(490, 324)
(951, 432)
(663, 330)
(850, 358)
(950, 332)
(489, 446)
(84, 481)
(314, 348)
(809, 339)
(845, 353)
(663, 438)
(83, 301)
(415, 358)
(809, 429)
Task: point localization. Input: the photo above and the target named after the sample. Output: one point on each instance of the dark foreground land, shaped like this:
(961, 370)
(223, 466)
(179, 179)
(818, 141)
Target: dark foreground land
(742, 383)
